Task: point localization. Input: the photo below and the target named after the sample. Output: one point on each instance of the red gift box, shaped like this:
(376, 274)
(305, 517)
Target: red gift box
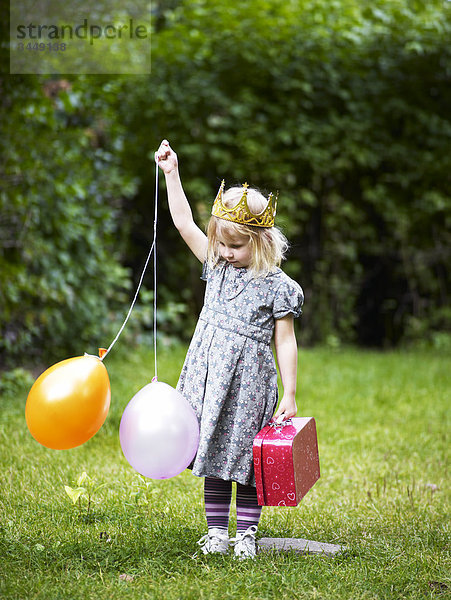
(286, 461)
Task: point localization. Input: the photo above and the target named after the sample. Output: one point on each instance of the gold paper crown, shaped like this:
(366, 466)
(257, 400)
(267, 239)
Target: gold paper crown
(240, 213)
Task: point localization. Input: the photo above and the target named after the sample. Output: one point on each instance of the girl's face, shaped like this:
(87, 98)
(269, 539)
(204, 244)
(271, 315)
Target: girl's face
(235, 249)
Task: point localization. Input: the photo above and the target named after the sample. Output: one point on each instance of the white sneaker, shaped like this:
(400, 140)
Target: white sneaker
(216, 541)
(244, 543)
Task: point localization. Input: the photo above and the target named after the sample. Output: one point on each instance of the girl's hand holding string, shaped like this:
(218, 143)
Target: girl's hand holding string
(166, 158)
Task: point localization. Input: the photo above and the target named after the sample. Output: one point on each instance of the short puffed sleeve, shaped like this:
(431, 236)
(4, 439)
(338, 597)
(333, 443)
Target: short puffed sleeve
(288, 299)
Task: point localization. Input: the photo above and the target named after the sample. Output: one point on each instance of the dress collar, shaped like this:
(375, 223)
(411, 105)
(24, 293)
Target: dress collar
(235, 280)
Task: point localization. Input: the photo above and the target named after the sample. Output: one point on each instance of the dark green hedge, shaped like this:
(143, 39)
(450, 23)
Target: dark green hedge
(343, 106)
(61, 225)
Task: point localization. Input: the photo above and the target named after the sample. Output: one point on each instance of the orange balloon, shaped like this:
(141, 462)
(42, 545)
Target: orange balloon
(69, 402)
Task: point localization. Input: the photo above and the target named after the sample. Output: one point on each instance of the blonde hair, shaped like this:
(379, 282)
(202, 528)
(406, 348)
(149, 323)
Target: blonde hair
(268, 244)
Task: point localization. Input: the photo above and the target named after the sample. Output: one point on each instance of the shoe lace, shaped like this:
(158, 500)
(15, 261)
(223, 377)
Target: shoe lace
(244, 542)
(211, 542)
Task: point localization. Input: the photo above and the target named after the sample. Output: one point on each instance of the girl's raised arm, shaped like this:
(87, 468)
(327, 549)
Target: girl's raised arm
(179, 207)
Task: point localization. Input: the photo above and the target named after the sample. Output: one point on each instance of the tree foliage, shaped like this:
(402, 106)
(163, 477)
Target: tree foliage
(60, 226)
(343, 106)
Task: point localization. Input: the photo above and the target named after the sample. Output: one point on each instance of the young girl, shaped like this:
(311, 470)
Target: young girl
(229, 376)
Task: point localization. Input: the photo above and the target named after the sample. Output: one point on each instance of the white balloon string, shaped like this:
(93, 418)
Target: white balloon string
(155, 273)
(152, 249)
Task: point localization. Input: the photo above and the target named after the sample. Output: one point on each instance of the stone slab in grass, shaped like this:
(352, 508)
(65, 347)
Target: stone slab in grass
(298, 545)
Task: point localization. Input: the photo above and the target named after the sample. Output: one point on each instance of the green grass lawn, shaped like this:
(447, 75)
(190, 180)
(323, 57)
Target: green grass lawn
(382, 428)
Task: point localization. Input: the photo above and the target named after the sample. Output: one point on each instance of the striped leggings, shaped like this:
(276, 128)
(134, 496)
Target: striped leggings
(218, 496)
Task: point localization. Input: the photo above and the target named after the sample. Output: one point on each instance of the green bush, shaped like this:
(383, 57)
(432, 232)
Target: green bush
(61, 231)
(343, 106)
(14, 382)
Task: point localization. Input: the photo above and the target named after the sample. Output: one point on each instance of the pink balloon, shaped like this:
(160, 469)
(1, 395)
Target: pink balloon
(159, 431)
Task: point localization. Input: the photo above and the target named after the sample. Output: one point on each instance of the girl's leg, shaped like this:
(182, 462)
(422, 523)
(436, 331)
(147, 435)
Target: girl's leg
(248, 515)
(217, 497)
(247, 509)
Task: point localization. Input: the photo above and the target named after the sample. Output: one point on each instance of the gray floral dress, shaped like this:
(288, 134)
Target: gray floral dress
(229, 376)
